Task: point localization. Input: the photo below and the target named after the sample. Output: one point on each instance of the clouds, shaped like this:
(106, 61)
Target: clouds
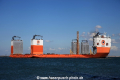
(113, 35)
(116, 39)
(90, 39)
(48, 41)
(92, 34)
(113, 41)
(83, 34)
(51, 49)
(61, 48)
(89, 35)
(57, 49)
(114, 48)
(98, 26)
(116, 35)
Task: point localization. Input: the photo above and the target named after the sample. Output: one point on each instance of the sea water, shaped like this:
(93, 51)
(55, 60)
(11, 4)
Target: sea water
(52, 68)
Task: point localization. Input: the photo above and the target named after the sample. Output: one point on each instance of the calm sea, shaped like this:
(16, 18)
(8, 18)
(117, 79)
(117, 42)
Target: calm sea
(33, 68)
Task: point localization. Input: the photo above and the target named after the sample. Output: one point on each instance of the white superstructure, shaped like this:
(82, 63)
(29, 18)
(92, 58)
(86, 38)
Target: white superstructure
(101, 42)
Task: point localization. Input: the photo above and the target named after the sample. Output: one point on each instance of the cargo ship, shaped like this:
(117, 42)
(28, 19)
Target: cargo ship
(101, 48)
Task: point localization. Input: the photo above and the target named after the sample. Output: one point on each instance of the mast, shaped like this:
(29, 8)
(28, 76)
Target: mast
(77, 42)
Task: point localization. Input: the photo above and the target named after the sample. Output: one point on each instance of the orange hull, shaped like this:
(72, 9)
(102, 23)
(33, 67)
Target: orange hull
(103, 55)
(102, 52)
(21, 56)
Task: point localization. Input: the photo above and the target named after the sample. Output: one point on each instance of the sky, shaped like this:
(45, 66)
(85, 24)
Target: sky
(58, 22)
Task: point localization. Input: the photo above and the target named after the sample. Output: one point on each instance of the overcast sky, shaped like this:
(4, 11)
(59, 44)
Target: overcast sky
(58, 22)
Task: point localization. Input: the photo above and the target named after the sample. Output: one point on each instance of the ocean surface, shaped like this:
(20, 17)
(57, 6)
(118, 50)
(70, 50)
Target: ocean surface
(35, 68)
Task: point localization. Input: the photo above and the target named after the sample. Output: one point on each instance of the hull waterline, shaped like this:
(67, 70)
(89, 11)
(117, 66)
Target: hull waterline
(101, 55)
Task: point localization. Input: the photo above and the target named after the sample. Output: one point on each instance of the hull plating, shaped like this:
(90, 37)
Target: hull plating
(21, 56)
(102, 52)
(101, 55)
